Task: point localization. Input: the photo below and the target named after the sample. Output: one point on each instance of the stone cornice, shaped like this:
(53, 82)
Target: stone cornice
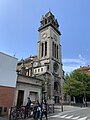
(49, 24)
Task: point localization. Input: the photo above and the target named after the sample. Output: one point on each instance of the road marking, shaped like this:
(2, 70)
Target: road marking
(55, 115)
(75, 118)
(63, 116)
(69, 117)
(84, 118)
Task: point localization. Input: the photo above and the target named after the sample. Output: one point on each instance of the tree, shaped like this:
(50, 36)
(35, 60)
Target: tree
(77, 84)
(72, 86)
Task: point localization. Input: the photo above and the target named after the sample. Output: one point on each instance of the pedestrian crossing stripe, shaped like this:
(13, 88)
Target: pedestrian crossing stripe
(55, 116)
(70, 117)
(84, 118)
(75, 118)
(63, 116)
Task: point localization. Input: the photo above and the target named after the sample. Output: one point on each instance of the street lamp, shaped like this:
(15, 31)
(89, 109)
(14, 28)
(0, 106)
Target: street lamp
(61, 103)
(61, 96)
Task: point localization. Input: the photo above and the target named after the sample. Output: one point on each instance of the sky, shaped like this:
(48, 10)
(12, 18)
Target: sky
(20, 20)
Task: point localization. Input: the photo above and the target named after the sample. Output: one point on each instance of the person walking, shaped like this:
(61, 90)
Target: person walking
(27, 107)
(37, 109)
(43, 109)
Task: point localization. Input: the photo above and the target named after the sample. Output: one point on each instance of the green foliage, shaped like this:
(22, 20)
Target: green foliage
(77, 84)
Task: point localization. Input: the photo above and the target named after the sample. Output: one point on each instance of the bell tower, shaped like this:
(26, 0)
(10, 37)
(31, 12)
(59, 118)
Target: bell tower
(48, 32)
(49, 52)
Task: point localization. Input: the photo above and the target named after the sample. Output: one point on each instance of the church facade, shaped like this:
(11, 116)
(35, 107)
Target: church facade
(47, 65)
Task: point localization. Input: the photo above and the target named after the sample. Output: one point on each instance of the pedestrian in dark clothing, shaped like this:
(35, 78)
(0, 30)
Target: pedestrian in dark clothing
(28, 102)
(37, 109)
(43, 109)
(27, 107)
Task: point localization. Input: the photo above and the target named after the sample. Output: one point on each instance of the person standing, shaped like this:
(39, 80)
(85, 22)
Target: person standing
(43, 109)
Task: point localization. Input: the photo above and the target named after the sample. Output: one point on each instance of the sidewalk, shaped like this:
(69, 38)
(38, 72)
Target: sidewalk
(66, 108)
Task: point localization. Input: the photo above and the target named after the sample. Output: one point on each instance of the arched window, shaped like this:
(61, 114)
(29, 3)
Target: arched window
(45, 48)
(57, 51)
(45, 21)
(56, 86)
(53, 49)
(42, 50)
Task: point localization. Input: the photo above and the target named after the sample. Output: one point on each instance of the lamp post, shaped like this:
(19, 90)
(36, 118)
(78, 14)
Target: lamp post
(61, 103)
(61, 96)
(84, 91)
(61, 99)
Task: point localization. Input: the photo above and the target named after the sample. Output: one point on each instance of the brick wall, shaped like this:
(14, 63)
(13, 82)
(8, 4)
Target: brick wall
(6, 98)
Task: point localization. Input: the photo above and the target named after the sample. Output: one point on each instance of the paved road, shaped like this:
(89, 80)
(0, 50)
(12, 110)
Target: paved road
(81, 114)
(70, 113)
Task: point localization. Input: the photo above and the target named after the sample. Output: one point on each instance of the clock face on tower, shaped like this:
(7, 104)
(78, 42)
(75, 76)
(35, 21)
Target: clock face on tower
(55, 67)
(44, 35)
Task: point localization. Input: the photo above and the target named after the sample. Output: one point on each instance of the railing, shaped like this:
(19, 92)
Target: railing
(17, 113)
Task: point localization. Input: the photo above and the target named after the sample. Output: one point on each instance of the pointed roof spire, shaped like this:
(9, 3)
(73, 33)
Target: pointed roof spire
(49, 14)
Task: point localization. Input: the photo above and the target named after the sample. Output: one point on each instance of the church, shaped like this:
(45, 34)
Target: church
(44, 70)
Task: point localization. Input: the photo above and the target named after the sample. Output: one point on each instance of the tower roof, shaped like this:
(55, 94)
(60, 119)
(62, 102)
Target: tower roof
(48, 14)
(49, 20)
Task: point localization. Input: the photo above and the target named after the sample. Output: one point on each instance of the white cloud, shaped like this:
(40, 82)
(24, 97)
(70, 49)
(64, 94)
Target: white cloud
(70, 64)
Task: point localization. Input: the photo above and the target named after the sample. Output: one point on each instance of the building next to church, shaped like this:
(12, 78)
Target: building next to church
(8, 77)
(45, 68)
(27, 87)
(85, 69)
